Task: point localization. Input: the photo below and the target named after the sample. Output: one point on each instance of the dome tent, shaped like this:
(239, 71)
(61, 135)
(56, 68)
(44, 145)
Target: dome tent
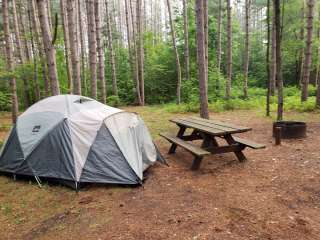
(75, 139)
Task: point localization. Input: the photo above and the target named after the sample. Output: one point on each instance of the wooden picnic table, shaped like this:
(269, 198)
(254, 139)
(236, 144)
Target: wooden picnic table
(208, 131)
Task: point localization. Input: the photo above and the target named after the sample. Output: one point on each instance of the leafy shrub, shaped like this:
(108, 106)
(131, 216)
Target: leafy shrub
(113, 101)
(294, 104)
(5, 101)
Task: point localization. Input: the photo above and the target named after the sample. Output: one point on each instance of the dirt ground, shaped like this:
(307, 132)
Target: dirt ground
(273, 195)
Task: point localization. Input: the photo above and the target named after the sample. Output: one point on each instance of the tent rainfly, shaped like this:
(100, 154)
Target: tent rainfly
(75, 139)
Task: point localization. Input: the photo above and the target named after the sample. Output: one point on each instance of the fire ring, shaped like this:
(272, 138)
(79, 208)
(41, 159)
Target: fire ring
(291, 129)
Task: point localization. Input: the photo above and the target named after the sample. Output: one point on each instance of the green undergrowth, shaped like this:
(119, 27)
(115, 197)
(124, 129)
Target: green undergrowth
(255, 101)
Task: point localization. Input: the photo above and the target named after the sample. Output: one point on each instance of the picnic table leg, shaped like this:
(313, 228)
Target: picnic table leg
(179, 135)
(241, 157)
(207, 140)
(196, 163)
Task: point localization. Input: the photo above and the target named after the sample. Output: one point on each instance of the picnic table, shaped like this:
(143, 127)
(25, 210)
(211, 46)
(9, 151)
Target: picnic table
(208, 131)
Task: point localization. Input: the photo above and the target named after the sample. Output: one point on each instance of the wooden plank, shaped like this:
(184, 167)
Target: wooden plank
(212, 125)
(186, 145)
(249, 143)
(199, 127)
(226, 149)
(223, 124)
(205, 127)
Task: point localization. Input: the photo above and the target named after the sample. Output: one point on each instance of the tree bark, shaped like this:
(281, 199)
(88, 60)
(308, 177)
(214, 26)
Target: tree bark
(140, 50)
(35, 56)
(136, 64)
(219, 43)
(229, 50)
(64, 20)
(318, 68)
(48, 47)
(21, 54)
(318, 54)
(40, 47)
(10, 63)
(111, 53)
(278, 58)
(273, 67)
(48, 13)
(268, 61)
(71, 8)
(186, 39)
(83, 50)
(173, 36)
(200, 31)
(247, 48)
(100, 52)
(131, 53)
(24, 38)
(92, 43)
(206, 37)
(302, 41)
(308, 53)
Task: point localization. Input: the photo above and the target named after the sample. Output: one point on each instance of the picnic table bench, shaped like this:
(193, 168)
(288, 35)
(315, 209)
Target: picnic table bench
(207, 131)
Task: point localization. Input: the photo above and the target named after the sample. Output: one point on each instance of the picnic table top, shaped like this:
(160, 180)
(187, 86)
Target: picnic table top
(212, 127)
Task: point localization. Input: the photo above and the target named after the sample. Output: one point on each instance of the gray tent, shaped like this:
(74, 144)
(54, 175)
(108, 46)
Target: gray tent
(76, 139)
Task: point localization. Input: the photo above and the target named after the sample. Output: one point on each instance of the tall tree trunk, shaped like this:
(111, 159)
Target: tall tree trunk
(48, 47)
(21, 20)
(136, 64)
(247, 49)
(268, 61)
(277, 14)
(318, 54)
(48, 14)
(173, 36)
(140, 49)
(111, 53)
(21, 55)
(201, 48)
(40, 47)
(20, 52)
(219, 43)
(35, 56)
(318, 67)
(318, 70)
(100, 52)
(10, 63)
(206, 38)
(92, 43)
(65, 27)
(229, 50)
(74, 50)
(131, 57)
(186, 39)
(302, 41)
(308, 53)
(273, 67)
(83, 50)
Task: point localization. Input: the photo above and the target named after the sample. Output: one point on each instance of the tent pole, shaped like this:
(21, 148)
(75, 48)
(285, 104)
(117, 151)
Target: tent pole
(38, 181)
(77, 188)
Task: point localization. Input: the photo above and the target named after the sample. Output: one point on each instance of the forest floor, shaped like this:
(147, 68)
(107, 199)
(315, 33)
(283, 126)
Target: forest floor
(273, 195)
